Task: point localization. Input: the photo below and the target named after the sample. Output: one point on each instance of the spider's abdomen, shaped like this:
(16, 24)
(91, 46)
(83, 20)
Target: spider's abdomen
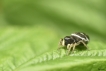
(80, 36)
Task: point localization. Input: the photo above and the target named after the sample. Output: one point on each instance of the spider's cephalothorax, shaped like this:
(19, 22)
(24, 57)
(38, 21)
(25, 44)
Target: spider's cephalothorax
(74, 40)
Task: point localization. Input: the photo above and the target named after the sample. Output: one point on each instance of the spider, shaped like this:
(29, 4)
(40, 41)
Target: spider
(75, 39)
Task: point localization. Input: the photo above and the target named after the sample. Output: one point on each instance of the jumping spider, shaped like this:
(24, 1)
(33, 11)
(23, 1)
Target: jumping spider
(74, 40)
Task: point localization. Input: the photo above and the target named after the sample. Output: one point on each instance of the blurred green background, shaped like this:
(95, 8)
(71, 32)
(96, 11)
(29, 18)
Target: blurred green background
(67, 16)
(29, 28)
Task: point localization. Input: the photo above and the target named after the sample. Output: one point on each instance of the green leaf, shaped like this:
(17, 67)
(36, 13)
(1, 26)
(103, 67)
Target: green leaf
(19, 52)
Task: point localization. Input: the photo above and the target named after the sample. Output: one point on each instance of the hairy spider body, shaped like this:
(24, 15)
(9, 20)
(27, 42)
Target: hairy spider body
(74, 40)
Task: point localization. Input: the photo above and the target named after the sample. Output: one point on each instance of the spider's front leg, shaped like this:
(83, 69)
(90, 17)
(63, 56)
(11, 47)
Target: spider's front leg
(69, 46)
(74, 45)
(60, 44)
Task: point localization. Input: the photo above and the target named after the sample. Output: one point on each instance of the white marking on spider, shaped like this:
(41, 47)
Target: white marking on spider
(80, 37)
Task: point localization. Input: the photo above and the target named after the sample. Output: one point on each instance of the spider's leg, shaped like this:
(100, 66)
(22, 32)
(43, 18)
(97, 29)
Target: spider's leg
(84, 44)
(74, 45)
(59, 45)
(69, 46)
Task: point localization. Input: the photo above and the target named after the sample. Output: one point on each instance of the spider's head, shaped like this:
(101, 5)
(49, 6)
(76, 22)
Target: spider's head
(66, 40)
